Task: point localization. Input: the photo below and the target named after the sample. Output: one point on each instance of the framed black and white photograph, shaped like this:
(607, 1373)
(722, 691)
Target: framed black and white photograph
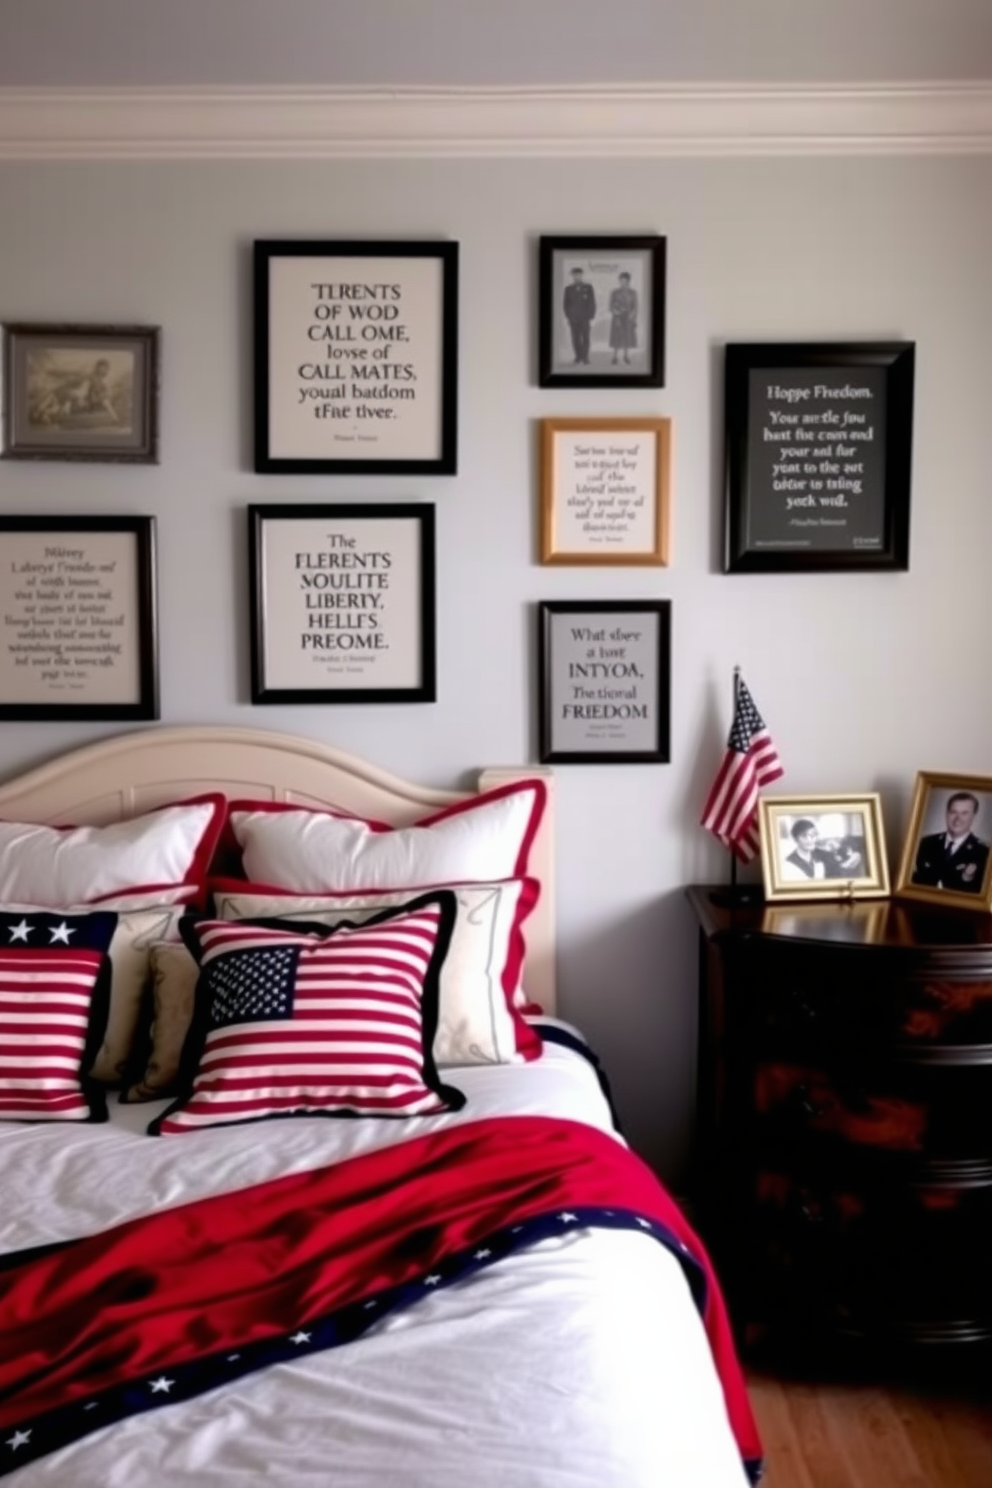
(356, 357)
(78, 636)
(78, 392)
(342, 603)
(945, 858)
(601, 311)
(818, 442)
(604, 681)
(823, 847)
(605, 490)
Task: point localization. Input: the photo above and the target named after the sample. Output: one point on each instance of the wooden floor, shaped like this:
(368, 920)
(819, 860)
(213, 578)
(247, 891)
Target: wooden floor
(824, 1433)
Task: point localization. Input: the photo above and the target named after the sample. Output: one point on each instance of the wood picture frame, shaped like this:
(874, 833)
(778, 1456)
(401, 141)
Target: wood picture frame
(601, 311)
(342, 603)
(818, 449)
(356, 357)
(946, 857)
(78, 634)
(605, 490)
(604, 681)
(823, 847)
(80, 392)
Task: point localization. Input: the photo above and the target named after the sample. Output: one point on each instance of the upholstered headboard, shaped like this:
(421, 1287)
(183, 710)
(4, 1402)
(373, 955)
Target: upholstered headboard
(130, 773)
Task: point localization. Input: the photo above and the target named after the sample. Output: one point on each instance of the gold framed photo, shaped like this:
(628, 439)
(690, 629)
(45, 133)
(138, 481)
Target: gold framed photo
(946, 857)
(823, 847)
(605, 490)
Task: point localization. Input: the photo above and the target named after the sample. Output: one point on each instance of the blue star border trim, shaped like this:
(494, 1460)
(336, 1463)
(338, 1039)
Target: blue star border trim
(44, 1434)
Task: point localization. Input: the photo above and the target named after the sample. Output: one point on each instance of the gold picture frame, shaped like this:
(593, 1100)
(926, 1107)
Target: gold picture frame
(823, 847)
(605, 490)
(946, 805)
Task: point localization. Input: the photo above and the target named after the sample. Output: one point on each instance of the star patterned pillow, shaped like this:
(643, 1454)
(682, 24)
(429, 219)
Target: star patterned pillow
(54, 983)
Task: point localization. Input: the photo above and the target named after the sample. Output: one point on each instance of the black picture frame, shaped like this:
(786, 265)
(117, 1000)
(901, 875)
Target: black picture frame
(354, 405)
(78, 638)
(818, 449)
(592, 350)
(387, 553)
(80, 392)
(624, 690)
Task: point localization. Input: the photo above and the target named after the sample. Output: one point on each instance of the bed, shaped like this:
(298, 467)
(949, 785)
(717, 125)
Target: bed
(483, 1288)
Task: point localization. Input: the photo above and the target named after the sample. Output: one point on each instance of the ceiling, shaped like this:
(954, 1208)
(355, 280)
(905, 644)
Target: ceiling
(473, 43)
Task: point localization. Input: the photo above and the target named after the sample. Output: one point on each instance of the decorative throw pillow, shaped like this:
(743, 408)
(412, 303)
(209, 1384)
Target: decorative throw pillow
(167, 851)
(477, 1018)
(316, 1020)
(53, 1004)
(171, 996)
(479, 840)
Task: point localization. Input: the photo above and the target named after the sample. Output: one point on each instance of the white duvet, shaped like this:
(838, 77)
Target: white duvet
(581, 1363)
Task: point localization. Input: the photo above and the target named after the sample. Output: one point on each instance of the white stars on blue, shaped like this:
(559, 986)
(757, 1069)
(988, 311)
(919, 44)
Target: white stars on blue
(254, 986)
(19, 1439)
(161, 1386)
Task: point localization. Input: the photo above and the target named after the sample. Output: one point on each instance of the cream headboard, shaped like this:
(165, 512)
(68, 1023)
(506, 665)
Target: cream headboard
(123, 776)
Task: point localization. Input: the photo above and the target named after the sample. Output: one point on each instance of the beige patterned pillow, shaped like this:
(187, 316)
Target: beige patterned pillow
(174, 974)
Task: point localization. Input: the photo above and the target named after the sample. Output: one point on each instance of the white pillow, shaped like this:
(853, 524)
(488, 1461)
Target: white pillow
(477, 1019)
(479, 840)
(162, 850)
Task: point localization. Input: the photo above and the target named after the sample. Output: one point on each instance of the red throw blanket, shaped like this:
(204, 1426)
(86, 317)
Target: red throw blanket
(196, 1295)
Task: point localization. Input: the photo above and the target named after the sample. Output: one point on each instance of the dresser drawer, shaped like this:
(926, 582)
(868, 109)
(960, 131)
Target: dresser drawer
(831, 999)
(901, 1259)
(932, 1112)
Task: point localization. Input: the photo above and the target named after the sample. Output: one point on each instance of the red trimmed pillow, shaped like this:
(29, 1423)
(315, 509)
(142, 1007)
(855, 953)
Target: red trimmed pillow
(479, 840)
(478, 1021)
(310, 1020)
(166, 852)
(54, 981)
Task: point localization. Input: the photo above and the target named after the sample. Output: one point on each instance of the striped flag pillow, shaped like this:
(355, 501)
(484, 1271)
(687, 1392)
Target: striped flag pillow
(54, 995)
(316, 1020)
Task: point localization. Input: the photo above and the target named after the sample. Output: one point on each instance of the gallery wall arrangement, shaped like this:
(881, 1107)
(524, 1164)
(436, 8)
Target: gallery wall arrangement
(356, 372)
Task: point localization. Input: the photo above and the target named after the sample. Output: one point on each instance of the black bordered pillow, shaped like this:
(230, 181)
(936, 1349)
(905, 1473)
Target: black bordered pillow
(54, 985)
(480, 985)
(315, 1019)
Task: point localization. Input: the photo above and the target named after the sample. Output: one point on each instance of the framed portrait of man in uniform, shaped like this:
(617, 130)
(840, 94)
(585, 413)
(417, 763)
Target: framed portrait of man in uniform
(946, 857)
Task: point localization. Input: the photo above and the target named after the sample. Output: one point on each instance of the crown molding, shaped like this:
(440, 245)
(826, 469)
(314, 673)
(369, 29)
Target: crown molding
(412, 123)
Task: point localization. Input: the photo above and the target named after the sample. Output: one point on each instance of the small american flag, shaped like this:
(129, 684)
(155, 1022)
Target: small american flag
(317, 1021)
(49, 968)
(750, 762)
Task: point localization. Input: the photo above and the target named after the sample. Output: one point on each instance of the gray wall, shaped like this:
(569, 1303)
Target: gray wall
(481, 42)
(863, 679)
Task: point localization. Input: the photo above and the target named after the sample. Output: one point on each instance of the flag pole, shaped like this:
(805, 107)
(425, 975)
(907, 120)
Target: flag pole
(733, 714)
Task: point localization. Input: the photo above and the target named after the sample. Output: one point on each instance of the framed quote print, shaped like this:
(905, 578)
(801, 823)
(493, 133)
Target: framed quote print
(818, 453)
(356, 351)
(342, 603)
(78, 618)
(604, 680)
(605, 490)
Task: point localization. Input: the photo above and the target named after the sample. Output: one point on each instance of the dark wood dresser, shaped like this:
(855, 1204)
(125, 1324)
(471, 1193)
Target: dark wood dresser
(843, 1175)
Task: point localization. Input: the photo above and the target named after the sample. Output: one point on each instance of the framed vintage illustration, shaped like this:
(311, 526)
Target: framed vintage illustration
(356, 357)
(818, 444)
(604, 681)
(605, 490)
(78, 635)
(823, 847)
(78, 392)
(945, 857)
(601, 311)
(342, 603)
